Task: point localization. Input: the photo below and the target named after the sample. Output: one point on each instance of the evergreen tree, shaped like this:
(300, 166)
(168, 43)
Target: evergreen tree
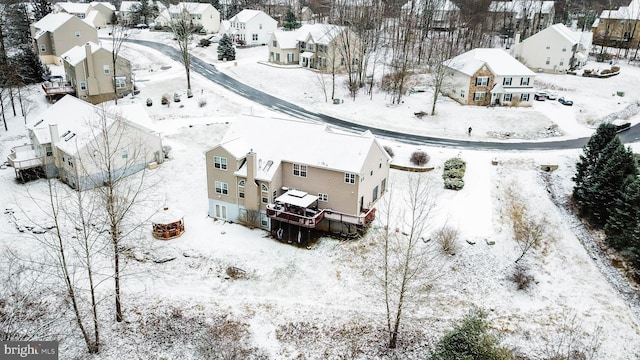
(290, 22)
(28, 65)
(623, 227)
(583, 189)
(41, 8)
(226, 49)
(471, 340)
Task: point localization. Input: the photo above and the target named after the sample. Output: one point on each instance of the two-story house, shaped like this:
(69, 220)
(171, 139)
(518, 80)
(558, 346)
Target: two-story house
(55, 34)
(283, 45)
(618, 28)
(554, 49)
(314, 177)
(97, 13)
(202, 14)
(488, 77)
(438, 15)
(68, 137)
(89, 70)
(252, 27)
(328, 47)
(525, 17)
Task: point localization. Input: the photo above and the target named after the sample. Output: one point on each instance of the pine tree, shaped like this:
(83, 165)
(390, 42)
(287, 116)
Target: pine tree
(226, 49)
(28, 65)
(290, 22)
(623, 227)
(583, 189)
(41, 8)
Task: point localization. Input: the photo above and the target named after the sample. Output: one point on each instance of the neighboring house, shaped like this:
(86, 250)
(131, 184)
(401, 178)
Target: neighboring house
(89, 70)
(327, 47)
(252, 27)
(284, 48)
(443, 15)
(292, 183)
(67, 136)
(55, 34)
(488, 77)
(554, 49)
(305, 14)
(126, 13)
(98, 14)
(618, 28)
(203, 14)
(525, 17)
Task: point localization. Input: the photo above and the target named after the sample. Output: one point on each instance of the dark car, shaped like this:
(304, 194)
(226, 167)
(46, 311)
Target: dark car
(540, 96)
(564, 101)
(621, 125)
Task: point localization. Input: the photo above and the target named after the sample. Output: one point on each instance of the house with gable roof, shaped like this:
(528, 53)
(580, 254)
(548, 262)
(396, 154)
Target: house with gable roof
(66, 137)
(127, 16)
(251, 27)
(443, 15)
(488, 76)
(57, 33)
(327, 47)
(554, 49)
(618, 28)
(283, 45)
(89, 70)
(96, 13)
(296, 185)
(203, 14)
(525, 17)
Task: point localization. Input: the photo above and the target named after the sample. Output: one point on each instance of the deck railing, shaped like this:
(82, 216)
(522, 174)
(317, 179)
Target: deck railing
(24, 157)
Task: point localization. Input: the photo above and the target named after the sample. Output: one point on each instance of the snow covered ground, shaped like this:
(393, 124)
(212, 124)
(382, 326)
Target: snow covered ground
(324, 302)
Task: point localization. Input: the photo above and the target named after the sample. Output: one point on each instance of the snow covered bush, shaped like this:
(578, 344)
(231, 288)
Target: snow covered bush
(521, 277)
(419, 158)
(447, 237)
(453, 184)
(389, 150)
(454, 169)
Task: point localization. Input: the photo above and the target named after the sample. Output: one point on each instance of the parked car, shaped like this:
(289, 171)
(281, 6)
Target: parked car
(551, 95)
(540, 96)
(564, 101)
(621, 125)
(142, 26)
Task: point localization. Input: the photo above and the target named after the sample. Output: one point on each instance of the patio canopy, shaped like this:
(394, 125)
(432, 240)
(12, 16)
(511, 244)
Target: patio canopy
(297, 198)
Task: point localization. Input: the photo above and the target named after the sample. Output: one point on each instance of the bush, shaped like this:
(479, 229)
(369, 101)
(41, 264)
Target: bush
(389, 150)
(447, 237)
(204, 42)
(471, 340)
(455, 163)
(521, 277)
(453, 184)
(453, 173)
(165, 99)
(419, 158)
(202, 102)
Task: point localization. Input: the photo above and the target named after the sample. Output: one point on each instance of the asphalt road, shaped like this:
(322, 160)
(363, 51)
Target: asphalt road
(210, 72)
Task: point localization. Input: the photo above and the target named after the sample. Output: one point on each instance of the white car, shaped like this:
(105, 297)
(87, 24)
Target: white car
(551, 95)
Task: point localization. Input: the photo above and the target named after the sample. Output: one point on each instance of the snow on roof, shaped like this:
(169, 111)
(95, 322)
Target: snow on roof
(296, 141)
(446, 5)
(126, 6)
(78, 53)
(245, 15)
(108, 5)
(51, 22)
(191, 7)
(167, 216)
(320, 33)
(73, 118)
(286, 39)
(73, 8)
(624, 12)
(498, 60)
(91, 16)
(297, 198)
(520, 6)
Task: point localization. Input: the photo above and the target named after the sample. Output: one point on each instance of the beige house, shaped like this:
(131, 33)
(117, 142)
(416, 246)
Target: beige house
(68, 136)
(284, 48)
(203, 14)
(439, 15)
(618, 28)
(98, 14)
(56, 34)
(488, 77)
(525, 17)
(327, 47)
(313, 178)
(89, 70)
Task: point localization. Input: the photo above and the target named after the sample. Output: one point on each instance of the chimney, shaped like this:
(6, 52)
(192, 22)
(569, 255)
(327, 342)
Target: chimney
(53, 131)
(89, 55)
(252, 166)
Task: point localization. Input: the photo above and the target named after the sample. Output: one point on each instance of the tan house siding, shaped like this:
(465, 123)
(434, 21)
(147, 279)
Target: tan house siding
(473, 88)
(72, 33)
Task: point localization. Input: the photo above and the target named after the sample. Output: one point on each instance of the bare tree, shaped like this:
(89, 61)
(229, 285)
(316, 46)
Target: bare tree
(408, 260)
(528, 231)
(403, 45)
(183, 30)
(118, 35)
(439, 66)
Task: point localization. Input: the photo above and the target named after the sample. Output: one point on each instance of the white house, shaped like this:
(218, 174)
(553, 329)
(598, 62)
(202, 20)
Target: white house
(96, 13)
(488, 77)
(554, 49)
(66, 138)
(203, 14)
(252, 27)
(283, 46)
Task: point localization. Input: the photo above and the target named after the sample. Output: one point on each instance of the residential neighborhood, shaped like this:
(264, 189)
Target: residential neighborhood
(320, 180)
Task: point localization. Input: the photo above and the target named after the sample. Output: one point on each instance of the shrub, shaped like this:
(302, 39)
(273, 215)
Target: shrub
(453, 184)
(447, 237)
(471, 340)
(389, 150)
(202, 102)
(419, 158)
(453, 174)
(615, 69)
(521, 277)
(204, 42)
(165, 99)
(455, 163)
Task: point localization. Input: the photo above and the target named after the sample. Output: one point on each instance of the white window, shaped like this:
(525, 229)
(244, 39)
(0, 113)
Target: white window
(506, 81)
(524, 97)
(78, 34)
(548, 60)
(83, 85)
(323, 197)
(43, 48)
(479, 95)
(350, 178)
(300, 170)
(548, 47)
(275, 43)
(524, 81)
(264, 194)
(463, 94)
(254, 37)
(106, 69)
(564, 49)
(289, 57)
(49, 151)
(561, 61)
(482, 81)
(220, 162)
(222, 188)
(260, 26)
(241, 189)
(507, 97)
(221, 211)
(121, 82)
(124, 154)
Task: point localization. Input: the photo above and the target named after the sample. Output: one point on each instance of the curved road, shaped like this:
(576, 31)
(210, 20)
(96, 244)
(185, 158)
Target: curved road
(210, 72)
